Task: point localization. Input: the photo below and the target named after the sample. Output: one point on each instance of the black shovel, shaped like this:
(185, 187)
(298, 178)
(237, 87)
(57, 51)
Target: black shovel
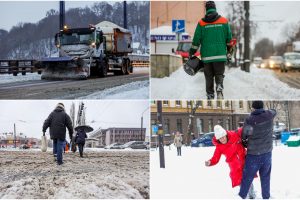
(193, 65)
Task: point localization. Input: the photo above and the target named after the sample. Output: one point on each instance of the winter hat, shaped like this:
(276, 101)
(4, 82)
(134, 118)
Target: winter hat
(257, 104)
(219, 132)
(60, 105)
(210, 5)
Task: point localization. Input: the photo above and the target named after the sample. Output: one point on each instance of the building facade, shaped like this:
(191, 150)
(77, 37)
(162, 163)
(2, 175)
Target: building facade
(163, 12)
(104, 137)
(228, 114)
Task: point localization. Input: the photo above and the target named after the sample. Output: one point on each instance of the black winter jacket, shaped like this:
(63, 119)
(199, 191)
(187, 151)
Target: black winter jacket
(258, 131)
(80, 137)
(58, 121)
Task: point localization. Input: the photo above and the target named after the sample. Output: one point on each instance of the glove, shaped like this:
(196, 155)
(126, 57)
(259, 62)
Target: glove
(207, 163)
(192, 57)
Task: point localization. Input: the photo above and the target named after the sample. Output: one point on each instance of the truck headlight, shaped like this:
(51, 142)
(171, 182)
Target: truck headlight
(262, 65)
(288, 64)
(93, 44)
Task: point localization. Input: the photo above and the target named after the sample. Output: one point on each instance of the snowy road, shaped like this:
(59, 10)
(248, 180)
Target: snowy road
(187, 177)
(100, 175)
(259, 84)
(32, 87)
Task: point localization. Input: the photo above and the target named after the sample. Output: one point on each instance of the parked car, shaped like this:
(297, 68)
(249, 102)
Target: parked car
(113, 146)
(143, 145)
(291, 61)
(275, 62)
(204, 140)
(257, 61)
(133, 144)
(278, 128)
(295, 131)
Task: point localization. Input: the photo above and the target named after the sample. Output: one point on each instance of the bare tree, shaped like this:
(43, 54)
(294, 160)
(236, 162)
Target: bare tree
(191, 110)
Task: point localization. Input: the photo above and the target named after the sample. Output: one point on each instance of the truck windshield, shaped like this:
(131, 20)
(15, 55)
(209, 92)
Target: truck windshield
(184, 46)
(76, 38)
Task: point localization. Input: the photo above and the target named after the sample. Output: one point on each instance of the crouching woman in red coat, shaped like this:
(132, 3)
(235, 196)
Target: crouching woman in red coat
(229, 144)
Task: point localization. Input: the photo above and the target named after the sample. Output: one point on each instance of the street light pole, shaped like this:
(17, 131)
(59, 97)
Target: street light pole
(160, 135)
(15, 137)
(142, 123)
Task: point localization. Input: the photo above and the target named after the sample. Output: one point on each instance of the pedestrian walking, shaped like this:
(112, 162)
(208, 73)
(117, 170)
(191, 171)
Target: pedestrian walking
(178, 142)
(213, 34)
(258, 137)
(229, 144)
(57, 122)
(80, 139)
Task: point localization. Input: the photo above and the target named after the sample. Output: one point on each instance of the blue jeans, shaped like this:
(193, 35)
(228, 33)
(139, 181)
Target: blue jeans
(253, 164)
(58, 146)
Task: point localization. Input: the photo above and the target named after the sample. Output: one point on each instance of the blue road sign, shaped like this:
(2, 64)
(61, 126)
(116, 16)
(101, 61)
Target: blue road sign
(154, 128)
(178, 26)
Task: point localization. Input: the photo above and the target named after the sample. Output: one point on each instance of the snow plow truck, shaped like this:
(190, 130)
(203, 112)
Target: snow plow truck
(92, 51)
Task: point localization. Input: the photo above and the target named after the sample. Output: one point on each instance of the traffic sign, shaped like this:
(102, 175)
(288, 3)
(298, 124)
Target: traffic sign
(178, 26)
(154, 129)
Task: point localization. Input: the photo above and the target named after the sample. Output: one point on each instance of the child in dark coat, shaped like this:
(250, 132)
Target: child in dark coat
(80, 140)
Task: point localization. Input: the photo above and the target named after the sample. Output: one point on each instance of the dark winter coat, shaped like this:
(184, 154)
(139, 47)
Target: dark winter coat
(80, 137)
(258, 131)
(235, 154)
(58, 121)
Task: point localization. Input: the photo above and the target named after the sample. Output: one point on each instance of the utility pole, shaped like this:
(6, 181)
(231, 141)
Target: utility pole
(160, 135)
(61, 15)
(15, 136)
(142, 128)
(247, 37)
(125, 14)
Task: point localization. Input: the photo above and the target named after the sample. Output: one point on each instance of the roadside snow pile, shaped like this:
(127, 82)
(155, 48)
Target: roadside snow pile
(187, 177)
(99, 175)
(8, 78)
(134, 90)
(141, 70)
(260, 83)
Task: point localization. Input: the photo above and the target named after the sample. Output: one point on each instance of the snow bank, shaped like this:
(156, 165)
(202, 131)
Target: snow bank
(134, 90)
(260, 83)
(141, 69)
(98, 175)
(187, 177)
(8, 78)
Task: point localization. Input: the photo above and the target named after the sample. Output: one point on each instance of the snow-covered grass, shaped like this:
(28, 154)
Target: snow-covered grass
(9, 78)
(238, 84)
(187, 177)
(134, 90)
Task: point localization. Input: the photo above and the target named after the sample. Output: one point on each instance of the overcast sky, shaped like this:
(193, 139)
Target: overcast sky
(14, 12)
(287, 11)
(29, 115)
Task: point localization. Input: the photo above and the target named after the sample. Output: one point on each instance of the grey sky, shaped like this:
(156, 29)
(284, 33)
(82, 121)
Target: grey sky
(14, 12)
(288, 11)
(29, 115)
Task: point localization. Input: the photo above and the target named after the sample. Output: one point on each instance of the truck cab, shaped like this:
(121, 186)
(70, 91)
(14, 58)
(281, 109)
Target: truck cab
(183, 49)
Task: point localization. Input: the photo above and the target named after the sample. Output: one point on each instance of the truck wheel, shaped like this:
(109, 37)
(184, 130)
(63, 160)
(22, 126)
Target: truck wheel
(128, 67)
(103, 70)
(124, 67)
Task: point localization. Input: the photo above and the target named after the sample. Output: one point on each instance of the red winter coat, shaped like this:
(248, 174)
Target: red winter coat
(235, 154)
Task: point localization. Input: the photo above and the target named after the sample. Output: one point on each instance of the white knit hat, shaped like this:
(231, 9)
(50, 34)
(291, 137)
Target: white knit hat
(60, 105)
(219, 132)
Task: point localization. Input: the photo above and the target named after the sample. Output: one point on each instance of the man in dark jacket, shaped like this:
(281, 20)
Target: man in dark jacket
(257, 135)
(213, 34)
(58, 121)
(80, 140)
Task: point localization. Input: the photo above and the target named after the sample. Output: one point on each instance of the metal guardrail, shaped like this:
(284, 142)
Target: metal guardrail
(139, 60)
(18, 66)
